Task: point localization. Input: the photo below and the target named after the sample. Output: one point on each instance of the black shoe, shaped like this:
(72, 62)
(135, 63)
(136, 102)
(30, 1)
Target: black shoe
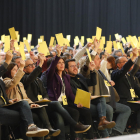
(115, 133)
(54, 133)
(80, 128)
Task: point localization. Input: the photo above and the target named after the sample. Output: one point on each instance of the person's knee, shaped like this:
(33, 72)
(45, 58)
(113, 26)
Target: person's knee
(24, 103)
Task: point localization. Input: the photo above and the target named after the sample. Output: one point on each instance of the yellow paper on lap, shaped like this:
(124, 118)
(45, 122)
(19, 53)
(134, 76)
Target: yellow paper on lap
(13, 33)
(107, 83)
(89, 56)
(64, 99)
(83, 98)
(27, 45)
(51, 41)
(39, 97)
(98, 33)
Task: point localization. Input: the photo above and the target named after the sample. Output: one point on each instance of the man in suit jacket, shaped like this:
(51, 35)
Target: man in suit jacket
(125, 84)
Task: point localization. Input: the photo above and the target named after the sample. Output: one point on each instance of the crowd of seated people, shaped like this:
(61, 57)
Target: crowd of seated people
(112, 79)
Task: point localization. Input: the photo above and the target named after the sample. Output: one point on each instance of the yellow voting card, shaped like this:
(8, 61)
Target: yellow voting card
(89, 56)
(103, 38)
(118, 45)
(39, 40)
(82, 39)
(43, 48)
(115, 45)
(89, 40)
(83, 98)
(64, 99)
(76, 42)
(27, 45)
(2, 38)
(24, 38)
(66, 42)
(122, 48)
(123, 40)
(101, 45)
(32, 47)
(42, 37)
(16, 46)
(29, 37)
(98, 33)
(68, 37)
(60, 39)
(109, 47)
(117, 36)
(21, 49)
(109, 37)
(13, 33)
(128, 39)
(7, 43)
(51, 41)
(18, 38)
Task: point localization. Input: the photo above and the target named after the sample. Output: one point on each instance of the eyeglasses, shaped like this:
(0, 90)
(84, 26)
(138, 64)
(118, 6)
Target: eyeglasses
(72, 66)
(30, 65)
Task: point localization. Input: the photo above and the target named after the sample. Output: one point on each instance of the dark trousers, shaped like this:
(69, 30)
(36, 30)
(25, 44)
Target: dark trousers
(69, 114)
(16, 115)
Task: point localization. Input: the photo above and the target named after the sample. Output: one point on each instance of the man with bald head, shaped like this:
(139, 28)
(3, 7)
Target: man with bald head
(125, 84)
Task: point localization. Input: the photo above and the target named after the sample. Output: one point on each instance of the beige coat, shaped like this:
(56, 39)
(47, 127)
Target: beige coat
(12, 89)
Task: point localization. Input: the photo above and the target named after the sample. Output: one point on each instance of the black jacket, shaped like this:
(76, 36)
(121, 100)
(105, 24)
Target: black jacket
(121, 83)
(33, 85)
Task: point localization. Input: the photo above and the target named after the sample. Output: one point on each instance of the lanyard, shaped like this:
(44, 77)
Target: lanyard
(128, 81)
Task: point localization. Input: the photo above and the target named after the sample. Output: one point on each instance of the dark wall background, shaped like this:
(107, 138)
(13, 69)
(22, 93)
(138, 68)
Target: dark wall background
(74, 17)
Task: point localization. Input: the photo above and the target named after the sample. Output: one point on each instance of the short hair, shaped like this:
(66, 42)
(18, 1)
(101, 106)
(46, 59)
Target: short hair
(117, 60)
(15, 57)
(101, 54)
(67, 61)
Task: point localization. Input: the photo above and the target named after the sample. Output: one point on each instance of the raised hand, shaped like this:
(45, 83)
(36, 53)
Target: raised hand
(58, 49)
(22, 64)
(9, 57)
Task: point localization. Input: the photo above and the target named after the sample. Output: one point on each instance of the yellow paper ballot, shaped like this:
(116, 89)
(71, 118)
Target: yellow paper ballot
(83, 98)
(123, 40)
(66, 42)
(93, 37)
(7, 43)
(27, 45)
(21, 49)
(2, 38)
(54, 44)
(64, 99)
(32, 47)
(60, 39)
(68, 37)
(39, 97)
(89, 56)
(118, 45)
(128, 39)
(117, 36)
(24, 38)
(139, 38)
(39, 40)
(122, 48)
(51, 41)
(82, 39)
(42, 37)
(76, 42)
(109, 47)
(103, 38)
(89, 40)
(98, 33)
(115, 45)
(43, 48)
(109, 37)
(13, 33)
(16, 46)
(77, 39)
(29, 37)
(16, 33)
(101, 45)
(18, 38)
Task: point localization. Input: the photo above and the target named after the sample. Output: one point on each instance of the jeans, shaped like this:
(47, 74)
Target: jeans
(17, 114)
(123, 112)
(109, 115)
